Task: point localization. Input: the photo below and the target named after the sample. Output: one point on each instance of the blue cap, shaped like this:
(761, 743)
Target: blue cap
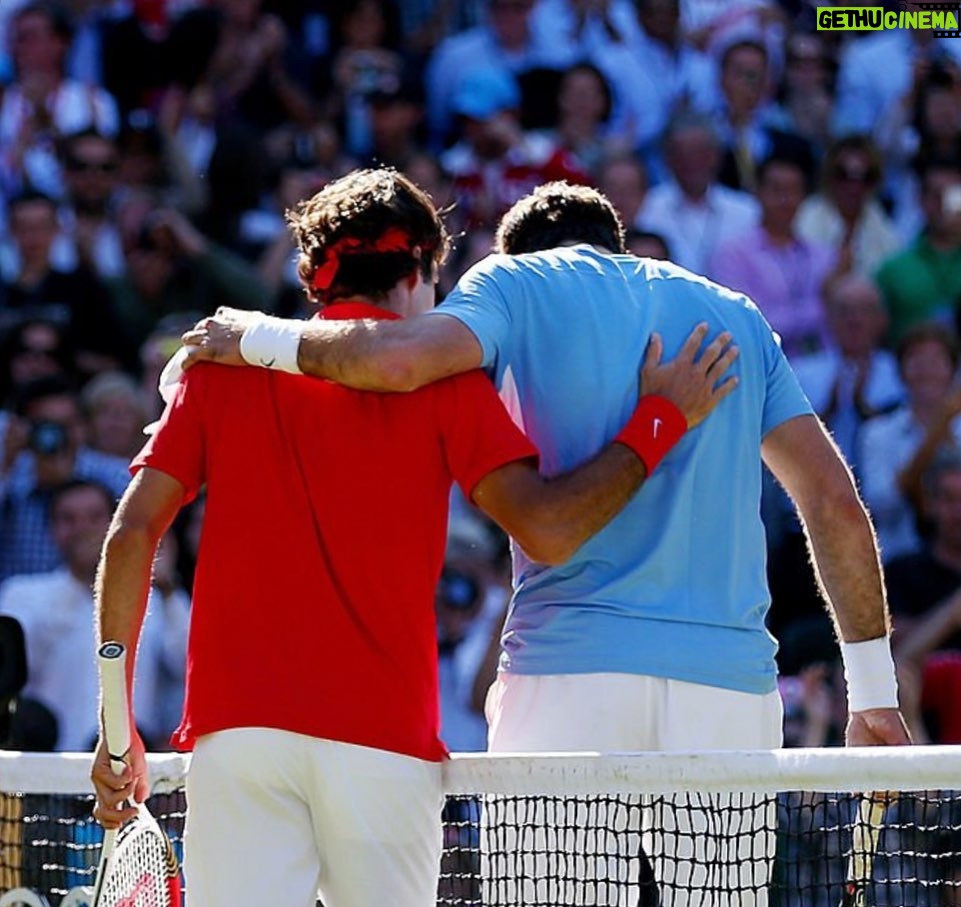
(482, 93)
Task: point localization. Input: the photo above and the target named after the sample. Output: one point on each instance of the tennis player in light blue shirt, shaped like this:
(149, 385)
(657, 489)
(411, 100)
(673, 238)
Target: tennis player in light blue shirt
(690, 548)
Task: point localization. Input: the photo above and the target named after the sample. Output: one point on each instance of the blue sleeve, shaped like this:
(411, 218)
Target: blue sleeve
(480, 302)
(783, 398)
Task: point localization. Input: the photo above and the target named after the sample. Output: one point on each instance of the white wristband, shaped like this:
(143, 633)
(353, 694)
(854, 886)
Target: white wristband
(272, 343)
(869, 671)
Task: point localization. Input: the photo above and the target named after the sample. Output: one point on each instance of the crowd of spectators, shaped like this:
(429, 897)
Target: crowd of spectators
(149, 150)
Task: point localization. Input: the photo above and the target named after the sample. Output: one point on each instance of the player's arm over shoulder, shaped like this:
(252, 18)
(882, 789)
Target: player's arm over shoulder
(389, 355)
(496, 465)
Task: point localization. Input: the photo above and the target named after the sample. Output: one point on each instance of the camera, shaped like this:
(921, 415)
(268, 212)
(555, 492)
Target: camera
(458, 591)
(47, 438)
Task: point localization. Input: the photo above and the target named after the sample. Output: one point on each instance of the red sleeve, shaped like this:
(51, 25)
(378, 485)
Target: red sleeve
(940, 686)
(177, 446)
(479, 435)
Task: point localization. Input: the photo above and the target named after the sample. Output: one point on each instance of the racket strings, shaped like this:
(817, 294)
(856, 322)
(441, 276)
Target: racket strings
(137, 872)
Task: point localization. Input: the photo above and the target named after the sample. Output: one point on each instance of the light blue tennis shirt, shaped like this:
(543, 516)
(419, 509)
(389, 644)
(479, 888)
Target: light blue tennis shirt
(675, 585)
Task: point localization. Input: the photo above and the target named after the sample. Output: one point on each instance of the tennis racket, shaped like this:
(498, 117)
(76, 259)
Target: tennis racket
(138, 867)
(864, 842)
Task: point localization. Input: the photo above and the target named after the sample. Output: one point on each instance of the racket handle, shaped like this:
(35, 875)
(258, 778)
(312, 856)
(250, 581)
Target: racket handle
(112, 658)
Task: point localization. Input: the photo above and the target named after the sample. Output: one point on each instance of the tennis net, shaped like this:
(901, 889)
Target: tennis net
(635, 830)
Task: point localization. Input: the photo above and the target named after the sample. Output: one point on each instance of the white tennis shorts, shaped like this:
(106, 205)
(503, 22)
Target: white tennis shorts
(705, 850)
(276, 818)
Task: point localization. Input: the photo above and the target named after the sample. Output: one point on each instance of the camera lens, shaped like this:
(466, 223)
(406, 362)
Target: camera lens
(47, 438)
(458, 590)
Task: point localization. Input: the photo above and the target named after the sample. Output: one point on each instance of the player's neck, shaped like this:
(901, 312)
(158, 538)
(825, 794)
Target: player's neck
(387, 303)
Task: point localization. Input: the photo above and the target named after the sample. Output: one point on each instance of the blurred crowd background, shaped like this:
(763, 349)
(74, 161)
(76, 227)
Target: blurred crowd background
(149, 150)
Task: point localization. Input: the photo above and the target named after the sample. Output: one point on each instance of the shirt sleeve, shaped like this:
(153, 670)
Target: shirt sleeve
(478, 301)
(784, 398)
(479, 435)
(178, 447)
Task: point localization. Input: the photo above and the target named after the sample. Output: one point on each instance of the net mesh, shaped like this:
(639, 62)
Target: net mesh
(773, 828)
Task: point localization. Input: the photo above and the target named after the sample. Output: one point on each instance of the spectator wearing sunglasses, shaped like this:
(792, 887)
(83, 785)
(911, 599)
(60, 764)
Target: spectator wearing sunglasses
(91, 235)
(845, 213)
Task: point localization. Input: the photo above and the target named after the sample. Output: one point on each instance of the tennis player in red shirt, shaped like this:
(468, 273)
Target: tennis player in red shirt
(311, 702)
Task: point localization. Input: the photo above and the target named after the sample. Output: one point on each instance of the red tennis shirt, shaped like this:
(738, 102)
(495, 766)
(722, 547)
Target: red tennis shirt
(323, 538)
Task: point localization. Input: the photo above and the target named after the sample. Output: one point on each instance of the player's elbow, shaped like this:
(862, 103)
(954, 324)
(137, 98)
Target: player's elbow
(548, 541)
(836, 502)
(129, 537)
(398, 373)
(394, 365)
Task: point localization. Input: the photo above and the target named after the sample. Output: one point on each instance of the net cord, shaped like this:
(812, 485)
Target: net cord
(854, 769)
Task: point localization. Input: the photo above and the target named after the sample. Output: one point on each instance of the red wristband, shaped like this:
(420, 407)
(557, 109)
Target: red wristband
(654, 428)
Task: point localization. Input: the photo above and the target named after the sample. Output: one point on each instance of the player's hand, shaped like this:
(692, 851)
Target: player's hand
(876, 727)
(217, 338)
(115, 792)
(693, 380)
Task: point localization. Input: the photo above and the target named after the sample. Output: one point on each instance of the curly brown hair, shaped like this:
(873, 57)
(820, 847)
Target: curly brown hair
(558, 213)
(362, 233)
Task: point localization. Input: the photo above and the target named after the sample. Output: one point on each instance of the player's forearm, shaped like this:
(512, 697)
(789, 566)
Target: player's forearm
(550, 518)
(845, 555)
(571, 508)
(388, 355)
(123, 584)
(368, 354)
(847, 564)
(359, 354)
(808, 464)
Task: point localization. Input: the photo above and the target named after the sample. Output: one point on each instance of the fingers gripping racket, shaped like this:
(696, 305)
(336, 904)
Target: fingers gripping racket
(138, 867)
(867, 831)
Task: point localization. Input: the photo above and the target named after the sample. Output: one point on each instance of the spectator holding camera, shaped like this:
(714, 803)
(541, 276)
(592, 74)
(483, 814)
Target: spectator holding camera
(44, 448)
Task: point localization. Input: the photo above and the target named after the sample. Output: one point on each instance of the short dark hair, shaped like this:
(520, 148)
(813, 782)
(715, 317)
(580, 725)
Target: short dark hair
(28, 195)
(78, 484)
(740, 44)
(58, 385)
(558, 213)
(797, 161)
(57, 14)
(588, 67)
(356, 211)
